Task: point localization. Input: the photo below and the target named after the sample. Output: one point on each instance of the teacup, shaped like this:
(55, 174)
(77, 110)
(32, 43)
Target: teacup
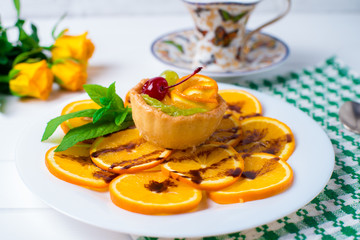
(220, 27)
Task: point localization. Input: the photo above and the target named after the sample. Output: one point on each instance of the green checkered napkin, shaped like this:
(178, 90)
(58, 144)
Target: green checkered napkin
(335, 212)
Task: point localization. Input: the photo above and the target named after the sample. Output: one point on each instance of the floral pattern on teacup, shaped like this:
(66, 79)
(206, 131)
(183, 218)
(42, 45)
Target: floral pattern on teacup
(178, 49)
(220, 29)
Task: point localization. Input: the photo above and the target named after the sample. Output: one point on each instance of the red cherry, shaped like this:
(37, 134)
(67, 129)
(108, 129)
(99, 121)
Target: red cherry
(157, 87)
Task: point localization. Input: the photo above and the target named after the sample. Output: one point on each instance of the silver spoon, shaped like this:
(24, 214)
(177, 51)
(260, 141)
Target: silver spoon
(349, 115)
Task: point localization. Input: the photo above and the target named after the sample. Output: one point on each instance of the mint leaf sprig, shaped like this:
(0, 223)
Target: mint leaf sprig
(111, 117)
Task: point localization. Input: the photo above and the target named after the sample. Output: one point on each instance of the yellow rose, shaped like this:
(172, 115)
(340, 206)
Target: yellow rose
(70, 75)
(77, 47)
(33, 80)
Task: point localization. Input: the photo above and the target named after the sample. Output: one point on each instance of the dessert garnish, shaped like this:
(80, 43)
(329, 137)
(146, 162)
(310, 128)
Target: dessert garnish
(126, 152)
(228, 131)
(158, 87)
(74, 107)
(268, 135)
(264, 176)
(170, 76)
(241, 104)
(75, 166)
(111, 117)
(153, 193)
(171, 109)
(209, 167)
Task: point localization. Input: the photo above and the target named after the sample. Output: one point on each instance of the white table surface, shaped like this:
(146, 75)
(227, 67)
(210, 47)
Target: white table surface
(123, 55)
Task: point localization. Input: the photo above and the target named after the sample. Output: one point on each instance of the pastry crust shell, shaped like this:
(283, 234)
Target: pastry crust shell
(171, 132)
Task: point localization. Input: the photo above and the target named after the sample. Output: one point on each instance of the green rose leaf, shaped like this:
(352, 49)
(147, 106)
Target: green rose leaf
(17, 7)
(34, 34)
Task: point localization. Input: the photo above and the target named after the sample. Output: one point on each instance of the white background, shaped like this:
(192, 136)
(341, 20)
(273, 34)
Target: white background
(92, 8)
(123, 32)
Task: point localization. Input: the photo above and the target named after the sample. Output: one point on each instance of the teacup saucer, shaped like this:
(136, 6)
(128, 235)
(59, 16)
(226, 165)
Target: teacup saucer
(176, 50)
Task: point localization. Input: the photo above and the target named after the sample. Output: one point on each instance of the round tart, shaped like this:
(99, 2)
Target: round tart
(167, 131)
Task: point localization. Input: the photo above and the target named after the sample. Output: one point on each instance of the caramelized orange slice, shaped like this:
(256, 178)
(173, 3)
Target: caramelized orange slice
(151, 192)
(127, 102)
(241, 103)
(207, 167)
(74, 165)
(228, 132)
(74, 107)
(264, 176)
(126, 152)
(198, 92)
(268, 135)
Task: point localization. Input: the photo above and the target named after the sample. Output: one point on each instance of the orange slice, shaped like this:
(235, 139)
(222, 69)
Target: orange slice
(74, 165)
(208, 167)
(268, 135)
(127, 102)
(197, 92)
(126, 152)
(264, 176)
(74, 107)
(153, 193)
(228, 132)
(241, 103)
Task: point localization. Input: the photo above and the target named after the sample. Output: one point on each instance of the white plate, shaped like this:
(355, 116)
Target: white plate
(176, 49)
(312, 162)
